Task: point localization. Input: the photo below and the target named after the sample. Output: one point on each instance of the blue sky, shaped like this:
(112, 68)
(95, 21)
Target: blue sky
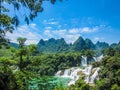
(94, 19)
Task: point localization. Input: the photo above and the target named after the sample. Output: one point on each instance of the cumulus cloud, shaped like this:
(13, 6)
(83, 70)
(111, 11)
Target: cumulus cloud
(74, 31)
(50, 22)
(89, 30)
(83, 30)
(70, 35)
(26, 32)
(31, 33)
(71, 38)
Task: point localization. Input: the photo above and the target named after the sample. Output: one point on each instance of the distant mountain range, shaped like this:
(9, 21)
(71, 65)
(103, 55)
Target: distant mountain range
(15, 45)
(59, 45)
(53, 45)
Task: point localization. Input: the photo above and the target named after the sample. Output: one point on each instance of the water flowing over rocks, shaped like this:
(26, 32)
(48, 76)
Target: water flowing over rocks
(74, 73)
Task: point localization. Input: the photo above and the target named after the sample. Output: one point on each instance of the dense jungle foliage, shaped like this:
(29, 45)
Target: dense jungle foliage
(19, 66)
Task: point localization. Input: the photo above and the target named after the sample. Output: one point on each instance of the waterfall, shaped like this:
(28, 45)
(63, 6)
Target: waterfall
(84, 61)
(74, 76)
(95, 59)
(58, 73)
(72, 73)
(88, 72)
(99, 58)
(67, 73)
(93, 77)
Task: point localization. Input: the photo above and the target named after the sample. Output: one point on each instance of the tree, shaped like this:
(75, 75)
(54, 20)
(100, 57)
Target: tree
(8, 23)
(21, 41)
(22, 50)
(80, 85)
(109, 51)
(5, 25)
(109, 73)
(31, 50)
(115, 87)
(25, 51)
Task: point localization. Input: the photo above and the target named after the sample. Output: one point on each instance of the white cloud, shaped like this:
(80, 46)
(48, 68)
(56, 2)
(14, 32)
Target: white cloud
(48, 28)
(69, 35)
(31, 33)
(50, 22)
(85, 30)
(98, 39)
(33, 26)
(26, 32)
(60, 32)
(71, 38)
(47, 34)
(74, 31)
(89, 30)
(53, 23)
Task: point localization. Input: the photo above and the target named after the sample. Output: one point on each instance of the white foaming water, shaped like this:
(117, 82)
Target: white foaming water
(93, 77)
(84, 61)
(99, 58)
(72, 73)
(87, 73)
(95, 59)
(58, 73)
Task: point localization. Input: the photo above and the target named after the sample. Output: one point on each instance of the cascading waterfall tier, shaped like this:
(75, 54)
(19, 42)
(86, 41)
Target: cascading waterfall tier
(87, 73)
(74, 73)
(71, 73)
(95, 74)
(84, 61)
